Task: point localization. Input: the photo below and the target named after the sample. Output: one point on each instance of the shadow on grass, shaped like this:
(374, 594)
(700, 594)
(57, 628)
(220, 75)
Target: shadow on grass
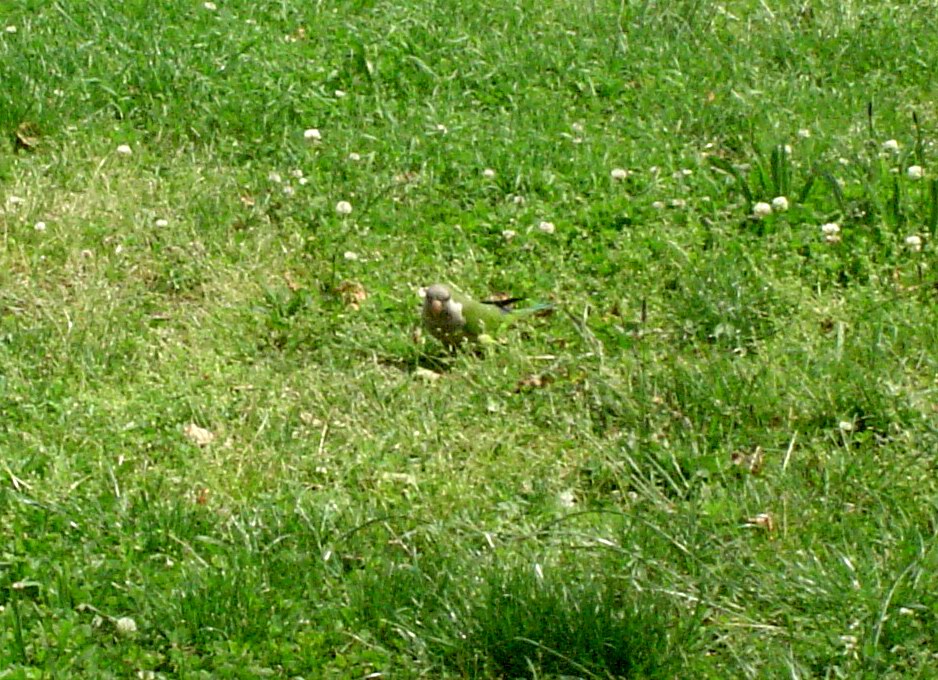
(520, 623)
(408, 359)
(529, 627)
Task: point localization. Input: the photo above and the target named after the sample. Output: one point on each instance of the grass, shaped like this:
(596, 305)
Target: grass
(715, 460)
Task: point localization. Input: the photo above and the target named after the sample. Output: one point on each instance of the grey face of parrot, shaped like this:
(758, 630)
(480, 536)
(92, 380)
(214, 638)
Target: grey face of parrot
(442, 315)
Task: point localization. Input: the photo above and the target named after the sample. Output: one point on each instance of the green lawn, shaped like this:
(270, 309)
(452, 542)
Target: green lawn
(227, 452)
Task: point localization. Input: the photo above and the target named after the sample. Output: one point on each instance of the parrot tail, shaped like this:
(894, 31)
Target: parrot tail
(507, 306)
(540, 309)
(503, 303)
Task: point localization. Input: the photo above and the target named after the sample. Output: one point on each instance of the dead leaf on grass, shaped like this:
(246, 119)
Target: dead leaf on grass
(427, 374)
(352, 293)
(291, 283)
(762, 521)
(533, 382)
(198, 435)
(751, 462)
(26, 136)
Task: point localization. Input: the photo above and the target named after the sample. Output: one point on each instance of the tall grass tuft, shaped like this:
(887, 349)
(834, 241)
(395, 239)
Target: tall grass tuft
(530, 623)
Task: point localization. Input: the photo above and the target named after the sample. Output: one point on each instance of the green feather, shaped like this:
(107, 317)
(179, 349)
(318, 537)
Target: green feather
(485, 318)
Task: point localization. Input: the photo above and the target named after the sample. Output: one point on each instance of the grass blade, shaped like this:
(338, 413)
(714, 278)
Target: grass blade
(834, 185)
(919, 141)
(781, 176)
(727, 167)
(808, 185)
(19, 642)
(933, 203)
(895, 203)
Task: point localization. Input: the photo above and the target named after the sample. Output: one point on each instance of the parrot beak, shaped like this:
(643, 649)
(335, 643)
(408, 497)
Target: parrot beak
(436, 307)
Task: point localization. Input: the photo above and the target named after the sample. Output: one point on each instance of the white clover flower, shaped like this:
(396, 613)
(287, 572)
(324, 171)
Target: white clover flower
(677, 203)
(546, 227)
(442, 129)
(761, 209)
(831, 232)
(302, 181)
(780, 204)
(566, 499)
(354, 157)
(619, 174)
(124, 150)
(804, 133)
(126, 625)
(658, 205)
(577, 128)
(288, 190)
(312, 135)
(14, 201)
(508, 234)
(488, 173)
(843, 161)
(339, 94)
(845, 426)
(296, 173)
(343, 208)
(210, 6)
(161, 223)
(787, 149)
(891, 145)
(39, 226)
(350, 256)
(914, 242)
(518, 200)
(915, 172)
(10, 29)
(275, 177)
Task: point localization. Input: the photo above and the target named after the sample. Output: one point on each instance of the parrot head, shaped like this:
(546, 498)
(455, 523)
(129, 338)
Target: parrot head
(442, 314)
(438, 303)
(436, 297)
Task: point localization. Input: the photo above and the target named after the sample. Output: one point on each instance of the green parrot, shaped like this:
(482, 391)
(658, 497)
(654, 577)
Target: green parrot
(453, 318)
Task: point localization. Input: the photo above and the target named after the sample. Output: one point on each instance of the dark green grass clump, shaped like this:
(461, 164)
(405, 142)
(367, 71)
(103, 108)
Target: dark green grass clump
(524, 621)
(527, 626)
